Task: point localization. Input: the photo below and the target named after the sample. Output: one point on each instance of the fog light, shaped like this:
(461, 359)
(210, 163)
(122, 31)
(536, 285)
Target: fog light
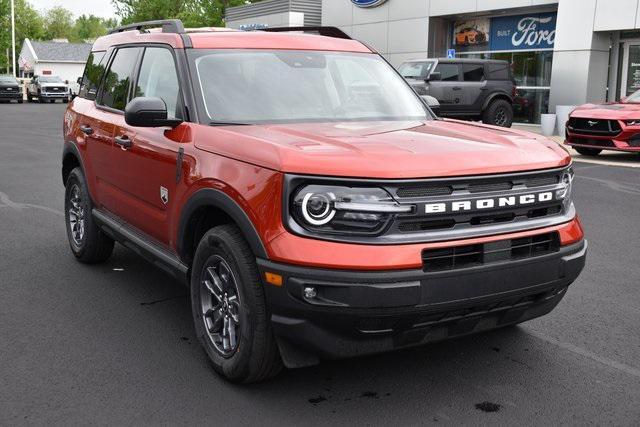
(310, 292)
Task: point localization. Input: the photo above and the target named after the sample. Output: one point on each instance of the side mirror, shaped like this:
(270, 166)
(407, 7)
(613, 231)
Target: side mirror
(149, 112)
(432, 102)
(434, 77)
(79, 81)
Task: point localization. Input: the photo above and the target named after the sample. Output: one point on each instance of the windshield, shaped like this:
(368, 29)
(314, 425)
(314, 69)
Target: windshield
(49, 79)
(8, 79)
(416, 70)
(247, 86)
(634, 98)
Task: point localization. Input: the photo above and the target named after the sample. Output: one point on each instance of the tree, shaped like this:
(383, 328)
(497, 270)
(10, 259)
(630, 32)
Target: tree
(29, 24)
(58, 23)
(193, 13)
(88, 28)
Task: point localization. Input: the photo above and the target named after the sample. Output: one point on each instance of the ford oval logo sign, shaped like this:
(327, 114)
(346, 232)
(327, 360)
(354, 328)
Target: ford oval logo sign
(368, 3)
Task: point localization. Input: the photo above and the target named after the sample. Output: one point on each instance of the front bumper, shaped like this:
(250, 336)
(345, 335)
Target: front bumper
(628, 140)
(54, 95)
(358, 312)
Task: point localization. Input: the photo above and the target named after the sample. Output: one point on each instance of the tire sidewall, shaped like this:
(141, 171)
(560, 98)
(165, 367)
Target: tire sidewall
(233, 366)
(493, 108)
(77, 178)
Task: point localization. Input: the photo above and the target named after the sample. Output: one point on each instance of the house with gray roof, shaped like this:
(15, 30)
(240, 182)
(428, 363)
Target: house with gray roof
(55, 57)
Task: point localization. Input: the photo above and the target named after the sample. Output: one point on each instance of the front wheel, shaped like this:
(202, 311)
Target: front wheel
(498, 113)
(591, 152)
(88, 243)
(229, 308)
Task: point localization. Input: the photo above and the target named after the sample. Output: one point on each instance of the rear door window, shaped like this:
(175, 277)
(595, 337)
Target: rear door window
(117, 81)
(473, 72)
(93, 72)
(498, 71)
(448, 72)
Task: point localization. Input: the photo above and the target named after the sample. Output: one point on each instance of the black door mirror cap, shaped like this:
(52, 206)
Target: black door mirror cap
(434, 77)
(148, 112)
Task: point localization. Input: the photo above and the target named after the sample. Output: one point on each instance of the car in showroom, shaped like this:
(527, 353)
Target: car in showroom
(465, 88)
(10, 89)
(470, 36)
(327, 214)
(47, 89)
(614, 126)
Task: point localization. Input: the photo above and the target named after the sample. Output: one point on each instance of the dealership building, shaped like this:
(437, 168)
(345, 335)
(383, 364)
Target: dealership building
(563, 52)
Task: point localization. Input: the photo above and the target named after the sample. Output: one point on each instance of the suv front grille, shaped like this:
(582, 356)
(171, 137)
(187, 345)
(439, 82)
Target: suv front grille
(503, 250)
(473, 188)
(476, 186)
(595, 127)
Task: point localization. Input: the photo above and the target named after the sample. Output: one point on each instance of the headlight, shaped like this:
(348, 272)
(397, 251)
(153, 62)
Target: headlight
(564, 193)
(344, 210)
(632, 122)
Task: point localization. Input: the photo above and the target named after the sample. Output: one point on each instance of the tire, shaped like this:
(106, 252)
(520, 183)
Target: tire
(52, 101)
(223, 257)
(88, 243)
(591, 152)
(40, 100)
(498, 113)
(20, 101)
(65, 101)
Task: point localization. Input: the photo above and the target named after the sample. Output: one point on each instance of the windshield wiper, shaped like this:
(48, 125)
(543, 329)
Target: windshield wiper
(223, 123)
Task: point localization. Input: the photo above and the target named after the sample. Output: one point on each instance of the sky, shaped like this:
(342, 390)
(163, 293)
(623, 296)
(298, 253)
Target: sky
(103, 8)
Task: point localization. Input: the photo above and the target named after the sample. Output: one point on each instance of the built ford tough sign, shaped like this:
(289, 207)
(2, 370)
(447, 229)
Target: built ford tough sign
(308, 197)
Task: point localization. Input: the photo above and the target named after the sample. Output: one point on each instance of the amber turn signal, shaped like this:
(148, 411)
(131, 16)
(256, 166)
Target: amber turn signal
(273, 278)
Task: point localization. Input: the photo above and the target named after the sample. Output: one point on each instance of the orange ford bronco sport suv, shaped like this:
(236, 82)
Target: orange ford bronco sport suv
(308, 197)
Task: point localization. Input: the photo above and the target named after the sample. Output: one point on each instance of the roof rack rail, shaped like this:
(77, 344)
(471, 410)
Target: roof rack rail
(323, 31)
(168, 26)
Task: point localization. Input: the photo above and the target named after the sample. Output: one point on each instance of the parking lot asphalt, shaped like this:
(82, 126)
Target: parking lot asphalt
(114, 343)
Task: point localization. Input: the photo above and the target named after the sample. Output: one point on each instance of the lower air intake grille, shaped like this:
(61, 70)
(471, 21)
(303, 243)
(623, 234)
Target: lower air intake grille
(480, 254)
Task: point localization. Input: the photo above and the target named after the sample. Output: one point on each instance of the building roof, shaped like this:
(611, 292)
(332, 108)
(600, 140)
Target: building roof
(51, 51)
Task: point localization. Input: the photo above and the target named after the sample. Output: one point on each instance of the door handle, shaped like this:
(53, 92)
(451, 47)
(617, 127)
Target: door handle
(87, 130)
(123, 141)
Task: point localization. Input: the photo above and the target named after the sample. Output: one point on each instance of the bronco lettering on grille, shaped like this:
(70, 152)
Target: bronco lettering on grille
(488, 203)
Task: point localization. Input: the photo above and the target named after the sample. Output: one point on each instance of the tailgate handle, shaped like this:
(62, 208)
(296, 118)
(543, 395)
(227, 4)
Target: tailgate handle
(87, 130)
(123, 141)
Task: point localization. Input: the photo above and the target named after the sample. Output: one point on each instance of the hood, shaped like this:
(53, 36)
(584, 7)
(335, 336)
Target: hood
(53, 84)
(610, 111)
(9, 84)
(385, 150)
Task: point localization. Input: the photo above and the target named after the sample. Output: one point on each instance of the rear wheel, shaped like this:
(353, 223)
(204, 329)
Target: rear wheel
(20, 101)
(229, 308)
(498, 113)
(591, 152)
(88, 243)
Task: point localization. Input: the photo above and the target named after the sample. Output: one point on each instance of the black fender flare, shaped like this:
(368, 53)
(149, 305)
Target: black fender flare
(70, 149)
(220, 200)
(495, 95)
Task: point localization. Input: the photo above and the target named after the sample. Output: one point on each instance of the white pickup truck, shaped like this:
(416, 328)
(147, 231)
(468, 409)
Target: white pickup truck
(47, 88)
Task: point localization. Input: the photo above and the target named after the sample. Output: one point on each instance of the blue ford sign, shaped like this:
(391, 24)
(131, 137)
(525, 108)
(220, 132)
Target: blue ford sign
(368, 3)
(532, 31)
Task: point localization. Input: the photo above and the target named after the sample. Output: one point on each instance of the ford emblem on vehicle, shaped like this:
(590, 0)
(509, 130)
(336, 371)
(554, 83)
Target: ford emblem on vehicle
(368, 3)
(592, 123)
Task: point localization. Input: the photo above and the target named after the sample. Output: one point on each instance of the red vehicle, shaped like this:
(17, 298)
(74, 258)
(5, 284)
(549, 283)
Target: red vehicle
(311, 201)
(612, 126)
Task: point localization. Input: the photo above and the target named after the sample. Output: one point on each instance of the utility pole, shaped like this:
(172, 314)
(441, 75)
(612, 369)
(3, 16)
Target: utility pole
(13, 37)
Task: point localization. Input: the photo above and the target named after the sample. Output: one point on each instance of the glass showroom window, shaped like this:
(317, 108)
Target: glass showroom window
(532, 73)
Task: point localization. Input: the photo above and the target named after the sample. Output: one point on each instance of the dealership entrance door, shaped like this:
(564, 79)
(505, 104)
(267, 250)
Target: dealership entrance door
(630, 67)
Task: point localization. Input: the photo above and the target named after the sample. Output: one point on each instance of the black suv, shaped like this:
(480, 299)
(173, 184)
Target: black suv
(473, 88)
